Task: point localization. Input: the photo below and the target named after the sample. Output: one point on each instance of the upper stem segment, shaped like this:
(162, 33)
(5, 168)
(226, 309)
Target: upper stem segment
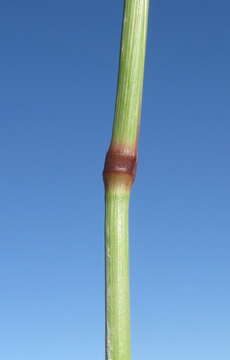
(131, 71)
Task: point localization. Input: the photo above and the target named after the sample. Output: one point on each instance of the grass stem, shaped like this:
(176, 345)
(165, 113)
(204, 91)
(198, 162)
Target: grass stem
(119, 174)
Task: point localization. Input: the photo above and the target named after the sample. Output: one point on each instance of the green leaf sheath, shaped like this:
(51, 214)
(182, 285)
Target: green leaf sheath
(117, 275)
(131, 72)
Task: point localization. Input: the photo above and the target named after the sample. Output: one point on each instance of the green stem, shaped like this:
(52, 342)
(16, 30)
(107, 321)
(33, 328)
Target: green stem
(131, 72)
(119, 173)
(117, 275)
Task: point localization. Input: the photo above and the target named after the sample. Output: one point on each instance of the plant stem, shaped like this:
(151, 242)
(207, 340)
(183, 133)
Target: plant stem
(131, 72)
(118, 312)
(119, 174)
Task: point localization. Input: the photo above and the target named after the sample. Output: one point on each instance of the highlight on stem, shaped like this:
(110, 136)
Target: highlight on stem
(119, 174)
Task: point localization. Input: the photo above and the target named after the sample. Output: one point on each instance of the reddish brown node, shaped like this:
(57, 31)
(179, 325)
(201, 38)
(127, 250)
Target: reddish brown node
(119, 165)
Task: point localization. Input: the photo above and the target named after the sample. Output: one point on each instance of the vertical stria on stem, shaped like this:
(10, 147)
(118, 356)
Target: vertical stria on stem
(119, 174)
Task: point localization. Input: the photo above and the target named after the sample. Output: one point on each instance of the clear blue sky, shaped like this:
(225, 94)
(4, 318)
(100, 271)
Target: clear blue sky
(58, 70)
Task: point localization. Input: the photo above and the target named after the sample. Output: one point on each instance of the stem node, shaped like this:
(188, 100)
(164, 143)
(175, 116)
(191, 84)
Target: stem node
(120, 167)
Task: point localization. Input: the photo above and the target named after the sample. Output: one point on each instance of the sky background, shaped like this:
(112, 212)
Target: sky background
(58, 71)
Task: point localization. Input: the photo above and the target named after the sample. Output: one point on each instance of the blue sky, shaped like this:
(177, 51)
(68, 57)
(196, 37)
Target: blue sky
(58, 80)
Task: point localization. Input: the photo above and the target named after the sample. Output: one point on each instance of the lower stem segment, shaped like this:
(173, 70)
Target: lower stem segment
(117, 273)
